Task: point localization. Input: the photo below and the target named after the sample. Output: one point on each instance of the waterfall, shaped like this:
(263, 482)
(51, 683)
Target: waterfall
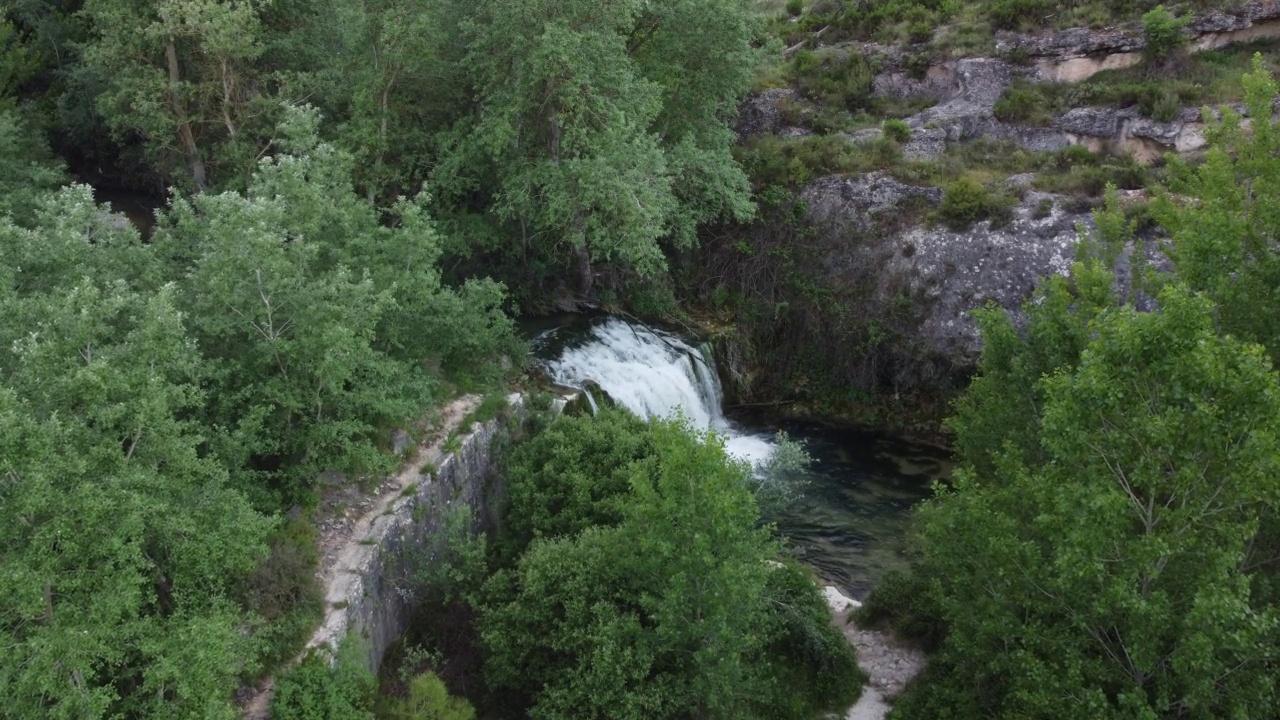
(652, 373)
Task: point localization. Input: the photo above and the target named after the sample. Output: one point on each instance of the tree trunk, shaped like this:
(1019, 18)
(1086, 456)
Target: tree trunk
(184, 123)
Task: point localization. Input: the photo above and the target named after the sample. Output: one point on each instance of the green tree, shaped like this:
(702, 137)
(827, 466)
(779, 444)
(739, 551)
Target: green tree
(654, 617)
(325, 687)
(182, 76)
(1007, 394)
(429, 699)
(1221, 217)
(1121, 573)
(599, 129)
(28, 170)
(319, 321)
(573, 475)
(121, 543)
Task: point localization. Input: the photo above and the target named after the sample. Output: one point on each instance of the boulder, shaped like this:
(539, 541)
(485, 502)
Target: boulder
(762, 113)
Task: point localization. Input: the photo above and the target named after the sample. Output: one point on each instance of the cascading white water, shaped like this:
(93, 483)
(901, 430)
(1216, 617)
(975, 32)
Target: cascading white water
(653, 374)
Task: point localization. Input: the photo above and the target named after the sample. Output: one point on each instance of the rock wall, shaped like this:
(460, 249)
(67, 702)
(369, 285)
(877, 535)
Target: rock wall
(1079, 53)
(947, 273)
(370, 592)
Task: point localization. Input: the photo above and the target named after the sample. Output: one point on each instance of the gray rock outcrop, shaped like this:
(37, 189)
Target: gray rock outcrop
(762, 113)
(947, 273)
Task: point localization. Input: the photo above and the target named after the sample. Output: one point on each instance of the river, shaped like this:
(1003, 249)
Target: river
(851, 522)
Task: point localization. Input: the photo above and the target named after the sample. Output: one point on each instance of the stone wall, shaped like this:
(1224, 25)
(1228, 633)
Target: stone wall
(370, 591)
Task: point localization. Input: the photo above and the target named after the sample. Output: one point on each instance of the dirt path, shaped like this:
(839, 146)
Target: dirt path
(344, 519)
(889, 664)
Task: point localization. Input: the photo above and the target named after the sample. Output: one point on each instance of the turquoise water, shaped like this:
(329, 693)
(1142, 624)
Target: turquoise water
(852, 521)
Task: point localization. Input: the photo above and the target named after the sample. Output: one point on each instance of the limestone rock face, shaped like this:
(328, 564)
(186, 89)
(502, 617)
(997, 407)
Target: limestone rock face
(1078, 53)
(947, 273)
(858, 203)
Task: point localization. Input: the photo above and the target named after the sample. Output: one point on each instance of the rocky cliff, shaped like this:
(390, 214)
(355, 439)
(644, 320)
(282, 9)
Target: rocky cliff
(875, 273)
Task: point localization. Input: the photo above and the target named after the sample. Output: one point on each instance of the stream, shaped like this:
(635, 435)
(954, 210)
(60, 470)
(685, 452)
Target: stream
(850, 524)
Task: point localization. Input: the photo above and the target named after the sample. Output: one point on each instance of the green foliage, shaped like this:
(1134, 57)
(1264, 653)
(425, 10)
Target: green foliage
(832, 79)
(650, 617)
(1006, 393)
(319, 688)
(18, 62)
(122, 542)
(283, 591)
(316, 317)
(1016, 14)
(1078, 172)
(1219, 245)
(808, 668)
(147, 388)
(780, 480)
(795, 7)
(1163, 34)
(578, 142)
(1146, 608)
(572, 476)
(654, 597)
(1024, 103)
(908, 603)
(966, 201)
(178, 75)
(28, 172)
(428, 699)
(896, 130)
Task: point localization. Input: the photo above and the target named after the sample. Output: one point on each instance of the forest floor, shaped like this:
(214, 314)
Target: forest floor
(888, 663)
(344, 518)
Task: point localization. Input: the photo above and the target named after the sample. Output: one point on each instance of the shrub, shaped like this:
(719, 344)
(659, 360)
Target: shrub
(805, 654)
(1163, 34)
(795, 7)
(825, 78)
(896, 130)
(903, 600)
(286, 578)
(1012, 14)
(917, 64)
(314, 690)
(572, 476)
(1166, 108)
(429, 699)
(1024, 103)
(1044, 209)
(966, 201)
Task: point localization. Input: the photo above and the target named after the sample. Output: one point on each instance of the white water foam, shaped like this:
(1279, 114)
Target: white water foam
(654, 373)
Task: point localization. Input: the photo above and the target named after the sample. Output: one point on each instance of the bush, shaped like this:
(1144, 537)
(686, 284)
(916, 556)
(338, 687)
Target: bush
(429, 699)
(825, 78)
(286, 578)
(806, 654)
(903, 601)
(896, 130)
(314, 690)
(572, 476)
(795, 7)
(1013, 14)
(1166, 108)
(1024, 103)
(966, 201)
(283, 591)
(1163, 33)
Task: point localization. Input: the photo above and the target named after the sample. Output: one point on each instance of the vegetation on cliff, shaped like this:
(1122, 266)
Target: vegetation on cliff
(1110, 548)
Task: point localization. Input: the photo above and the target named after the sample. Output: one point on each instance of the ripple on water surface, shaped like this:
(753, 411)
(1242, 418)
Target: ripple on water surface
(851, 522)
